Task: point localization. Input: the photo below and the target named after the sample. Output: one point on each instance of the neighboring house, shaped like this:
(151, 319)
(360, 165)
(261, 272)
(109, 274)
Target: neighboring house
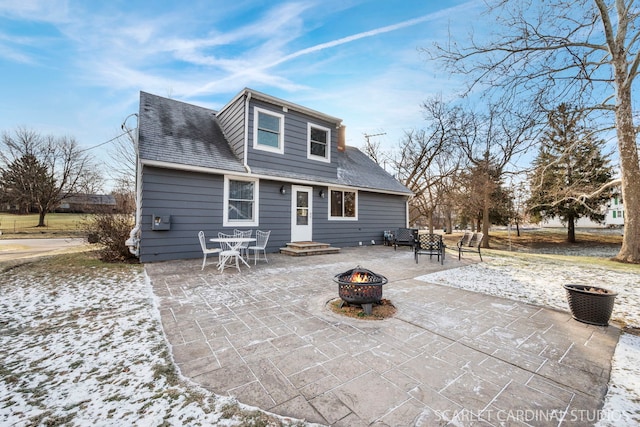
(87, 203)
(259, 163)
(614, 216)
(615, 211)
(583, 222)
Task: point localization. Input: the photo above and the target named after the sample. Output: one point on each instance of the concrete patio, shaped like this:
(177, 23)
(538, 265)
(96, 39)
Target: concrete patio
(448, 357)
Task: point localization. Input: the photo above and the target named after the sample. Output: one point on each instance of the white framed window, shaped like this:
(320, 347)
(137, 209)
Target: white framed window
(318, 143)
(240, 201)
(268, 130)
(343, 204)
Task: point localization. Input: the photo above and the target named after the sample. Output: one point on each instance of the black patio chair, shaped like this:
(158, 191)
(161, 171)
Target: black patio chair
(404, 237)
(429, 244)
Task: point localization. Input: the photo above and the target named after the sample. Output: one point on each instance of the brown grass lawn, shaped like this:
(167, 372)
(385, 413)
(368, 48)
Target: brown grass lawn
(58, 225)
(530, 240)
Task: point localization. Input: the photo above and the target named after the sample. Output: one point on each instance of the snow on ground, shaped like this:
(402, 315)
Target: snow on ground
(81, 349)
(90, 350)
(540, 281)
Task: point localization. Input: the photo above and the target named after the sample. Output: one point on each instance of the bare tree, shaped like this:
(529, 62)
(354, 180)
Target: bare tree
(583, 51)
(58, 168)
(426, 159)
(491, 142)
(122, 171)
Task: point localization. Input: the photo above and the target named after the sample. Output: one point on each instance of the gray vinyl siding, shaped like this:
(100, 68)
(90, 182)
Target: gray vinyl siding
(376, 213)
(195, 202)
(232, 121)
(294, 158)
(178, 135)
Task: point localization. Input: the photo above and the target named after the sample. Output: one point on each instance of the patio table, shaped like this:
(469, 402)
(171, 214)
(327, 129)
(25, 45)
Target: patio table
(234, 244)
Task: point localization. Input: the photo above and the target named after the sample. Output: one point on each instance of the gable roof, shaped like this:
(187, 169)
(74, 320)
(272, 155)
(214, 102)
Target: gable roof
(174, 133)
(282, 103)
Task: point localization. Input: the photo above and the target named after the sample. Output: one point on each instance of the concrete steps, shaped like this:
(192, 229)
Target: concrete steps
(308, 248)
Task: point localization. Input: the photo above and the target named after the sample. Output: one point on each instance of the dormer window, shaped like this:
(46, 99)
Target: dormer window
(318, 142)
(268, 130)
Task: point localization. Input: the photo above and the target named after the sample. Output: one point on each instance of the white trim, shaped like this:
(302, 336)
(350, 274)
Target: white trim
(256, 146)
(342, 218)
(406, 213)
(214, 171)
(246, 133)
(294, 206)
(327, 158)
(256, 208)
(285, 104)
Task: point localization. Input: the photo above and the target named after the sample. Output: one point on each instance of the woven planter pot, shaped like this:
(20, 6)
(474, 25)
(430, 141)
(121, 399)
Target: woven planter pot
(590, 304)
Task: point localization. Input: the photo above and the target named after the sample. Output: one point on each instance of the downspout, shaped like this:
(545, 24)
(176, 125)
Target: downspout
(133, 242)
(246, 132)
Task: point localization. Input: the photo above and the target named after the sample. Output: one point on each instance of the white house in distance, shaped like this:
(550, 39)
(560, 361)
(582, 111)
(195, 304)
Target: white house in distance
(614, 216)
(615, 211)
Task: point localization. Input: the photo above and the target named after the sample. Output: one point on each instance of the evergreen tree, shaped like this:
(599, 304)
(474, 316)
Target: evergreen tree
(570, 172)
(23, 182)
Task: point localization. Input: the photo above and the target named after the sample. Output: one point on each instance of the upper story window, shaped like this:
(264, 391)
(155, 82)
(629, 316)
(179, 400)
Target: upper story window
(240, 201)
(343, 204)
(318, 142)
(268, 130)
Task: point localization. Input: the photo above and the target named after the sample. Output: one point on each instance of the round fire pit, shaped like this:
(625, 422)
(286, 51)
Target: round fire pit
(360, 286)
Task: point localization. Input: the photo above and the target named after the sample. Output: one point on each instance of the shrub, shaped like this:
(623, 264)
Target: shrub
(111, 231)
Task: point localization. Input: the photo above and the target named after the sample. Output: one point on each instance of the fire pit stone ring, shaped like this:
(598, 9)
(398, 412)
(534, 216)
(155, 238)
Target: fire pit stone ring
(360, 286)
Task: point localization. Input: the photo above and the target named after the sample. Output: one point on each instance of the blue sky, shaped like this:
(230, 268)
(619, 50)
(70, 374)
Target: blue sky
(75, 68)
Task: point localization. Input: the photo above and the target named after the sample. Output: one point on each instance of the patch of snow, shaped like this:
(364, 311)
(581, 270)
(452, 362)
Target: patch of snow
(540, 281)
(92, 351)
(622, 404)
(85, 350)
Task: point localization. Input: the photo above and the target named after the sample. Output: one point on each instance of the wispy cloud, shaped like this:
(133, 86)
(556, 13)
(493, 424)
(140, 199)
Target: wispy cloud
(12, 48)
(259, 68)
(355, 37)
(35, 10)
(204, 54)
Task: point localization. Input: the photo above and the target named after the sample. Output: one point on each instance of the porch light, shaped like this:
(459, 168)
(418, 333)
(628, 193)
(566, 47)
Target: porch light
(322, 194)
(283, 190)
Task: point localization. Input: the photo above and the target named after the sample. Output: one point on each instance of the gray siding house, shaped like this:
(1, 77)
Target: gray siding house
(259, 163)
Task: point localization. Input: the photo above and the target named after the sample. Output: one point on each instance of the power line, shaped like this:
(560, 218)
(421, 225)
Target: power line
(104, 143)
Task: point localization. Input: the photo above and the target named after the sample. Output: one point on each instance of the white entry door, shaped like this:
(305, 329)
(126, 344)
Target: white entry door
(301, 208)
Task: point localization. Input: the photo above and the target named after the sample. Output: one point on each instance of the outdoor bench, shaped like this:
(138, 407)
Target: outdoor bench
(404, 237)
(470, 242)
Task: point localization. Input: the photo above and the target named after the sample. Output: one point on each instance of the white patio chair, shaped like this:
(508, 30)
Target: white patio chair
(244, 247)
(206, 251)
(262, 237)
(227, 251)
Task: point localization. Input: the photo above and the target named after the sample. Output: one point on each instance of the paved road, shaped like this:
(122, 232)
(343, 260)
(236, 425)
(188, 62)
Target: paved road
(12, 249)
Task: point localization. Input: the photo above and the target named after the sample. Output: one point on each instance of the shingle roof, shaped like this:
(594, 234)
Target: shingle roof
(355, 169)
(176, 132)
